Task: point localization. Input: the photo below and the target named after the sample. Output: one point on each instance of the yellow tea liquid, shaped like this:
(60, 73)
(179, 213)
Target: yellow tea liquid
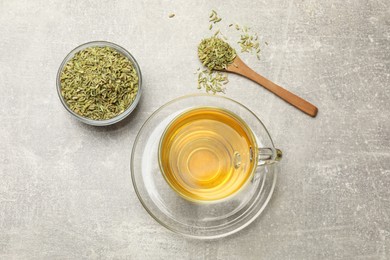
(206, 154)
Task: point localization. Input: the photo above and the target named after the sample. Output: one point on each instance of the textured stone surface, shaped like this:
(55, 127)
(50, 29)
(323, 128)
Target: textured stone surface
(65, 187)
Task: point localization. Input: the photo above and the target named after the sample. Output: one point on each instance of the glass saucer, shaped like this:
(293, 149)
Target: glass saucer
(194, 219)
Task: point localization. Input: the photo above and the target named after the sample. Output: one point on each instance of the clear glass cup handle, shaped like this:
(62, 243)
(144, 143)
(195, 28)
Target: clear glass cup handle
(269, 155)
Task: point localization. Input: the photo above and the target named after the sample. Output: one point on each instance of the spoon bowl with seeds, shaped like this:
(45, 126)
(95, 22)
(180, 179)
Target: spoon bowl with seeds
(217, 54)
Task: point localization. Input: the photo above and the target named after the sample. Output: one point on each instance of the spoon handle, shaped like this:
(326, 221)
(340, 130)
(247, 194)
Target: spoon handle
(239, 67)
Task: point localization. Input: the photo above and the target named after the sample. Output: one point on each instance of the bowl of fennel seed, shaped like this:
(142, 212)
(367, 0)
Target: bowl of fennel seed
(99, 83)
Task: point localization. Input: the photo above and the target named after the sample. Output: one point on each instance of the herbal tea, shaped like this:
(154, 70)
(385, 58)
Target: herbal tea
(206, 154)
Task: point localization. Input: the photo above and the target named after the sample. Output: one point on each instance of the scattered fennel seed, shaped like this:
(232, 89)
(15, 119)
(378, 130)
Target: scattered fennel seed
(214, 17)
(212, 81)
(249, 41)
(171, 15)
(219, 33)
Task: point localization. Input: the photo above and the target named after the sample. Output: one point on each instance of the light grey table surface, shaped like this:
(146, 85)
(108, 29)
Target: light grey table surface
(65, 187)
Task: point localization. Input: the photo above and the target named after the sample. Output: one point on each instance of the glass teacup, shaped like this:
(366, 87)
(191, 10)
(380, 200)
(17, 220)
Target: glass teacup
(208, 216)
(209, 153)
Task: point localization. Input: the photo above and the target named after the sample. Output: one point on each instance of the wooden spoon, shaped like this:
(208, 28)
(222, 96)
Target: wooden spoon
(240, 68)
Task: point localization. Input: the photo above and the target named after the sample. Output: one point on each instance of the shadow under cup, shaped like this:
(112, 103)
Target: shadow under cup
(171, 200)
